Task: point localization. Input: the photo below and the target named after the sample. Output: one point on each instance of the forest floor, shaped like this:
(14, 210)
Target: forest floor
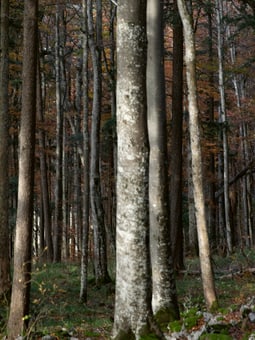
(57, 311)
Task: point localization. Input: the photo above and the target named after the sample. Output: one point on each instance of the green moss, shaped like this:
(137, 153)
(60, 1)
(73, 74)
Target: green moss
(190, 312)
(191, 321)
(164, 316)
(175, 326)
(220, 328)
(223, 311)
(214, 307)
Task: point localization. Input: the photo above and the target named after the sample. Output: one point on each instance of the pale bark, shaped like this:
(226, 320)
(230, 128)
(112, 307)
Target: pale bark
(5, 282)
(133, 313)
(196, 157)
(223, 121)
(164, 296)
(19, 307)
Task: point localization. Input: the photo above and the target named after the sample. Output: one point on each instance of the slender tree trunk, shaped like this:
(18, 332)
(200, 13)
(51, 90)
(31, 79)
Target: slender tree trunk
(58, 217)
(196, 157)
(5, 282)
(85, 225)
(65, 201)
(211, 167)
(113, 115)
(223, 121)
(100, 253)
(19, 308)
(193, 241)
(176, 144)
(44, 171)
(133, 313)
(238, 83)
(164, 296)
(76, 180)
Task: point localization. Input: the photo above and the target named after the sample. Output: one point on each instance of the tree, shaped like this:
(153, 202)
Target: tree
(97, 211)
(19, 308)
(196, 158)
(60, 97)
(211, 106)
(46, 227)
(5, 282)
(164, 297)
(223, 121)
(85, 229)
(133, 314)
(176, 144)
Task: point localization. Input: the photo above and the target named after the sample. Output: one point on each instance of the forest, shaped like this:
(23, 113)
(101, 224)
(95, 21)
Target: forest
(127, 188)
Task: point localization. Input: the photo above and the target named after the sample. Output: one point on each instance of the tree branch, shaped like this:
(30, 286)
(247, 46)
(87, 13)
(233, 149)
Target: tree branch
(239, 175)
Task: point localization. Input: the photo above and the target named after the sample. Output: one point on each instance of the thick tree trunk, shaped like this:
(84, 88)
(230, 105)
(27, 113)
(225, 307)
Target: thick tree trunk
(19, 308)
(133, 313)
(5, 282)
(196, 157)
(164, 296)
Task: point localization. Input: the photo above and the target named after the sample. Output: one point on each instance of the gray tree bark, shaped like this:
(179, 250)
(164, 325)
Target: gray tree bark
(19, 307)
(133, 312)
(164, 296)
(196, 158)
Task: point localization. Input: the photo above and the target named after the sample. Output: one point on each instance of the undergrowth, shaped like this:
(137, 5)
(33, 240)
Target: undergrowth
(56, 309)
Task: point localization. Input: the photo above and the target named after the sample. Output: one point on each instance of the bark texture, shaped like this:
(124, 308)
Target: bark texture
(164, 297)
(196, 159)
(133, 314)
(19, 308)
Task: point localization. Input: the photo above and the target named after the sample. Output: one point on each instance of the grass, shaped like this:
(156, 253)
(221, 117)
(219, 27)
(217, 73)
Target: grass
(56, 308)
(62, 312)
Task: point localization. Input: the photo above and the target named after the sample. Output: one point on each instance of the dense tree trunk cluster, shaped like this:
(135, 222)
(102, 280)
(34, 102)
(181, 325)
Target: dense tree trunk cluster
(117, 150)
